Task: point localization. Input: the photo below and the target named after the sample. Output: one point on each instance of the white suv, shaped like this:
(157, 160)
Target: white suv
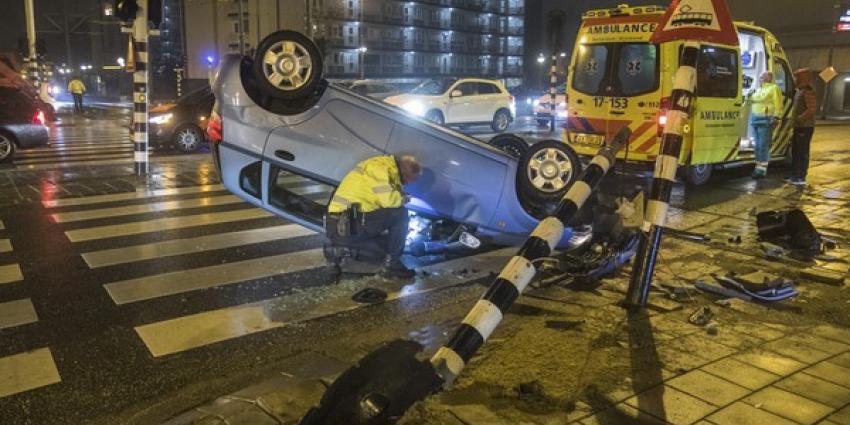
(460, 101)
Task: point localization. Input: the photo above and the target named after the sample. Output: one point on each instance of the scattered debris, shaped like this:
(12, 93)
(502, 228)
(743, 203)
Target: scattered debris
(369, 296)
(713, 328)
(778, 290)
(684, 234)
(702, 316)
(790, 228)
(531, 390)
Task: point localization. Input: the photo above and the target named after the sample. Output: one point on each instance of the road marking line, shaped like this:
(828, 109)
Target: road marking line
(17, 313)
(5, 245)
(27, 371)
(10, 273)
(73, 148)
(215, 200)
(155, 286)
(201, 329)
(119, 161)
(64, 154)
(99, 199)
(157, 225)
(67, 160)
(170, 248)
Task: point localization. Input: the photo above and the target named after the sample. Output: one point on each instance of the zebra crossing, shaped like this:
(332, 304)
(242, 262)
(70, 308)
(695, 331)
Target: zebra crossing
(116, 232)
(22, 371)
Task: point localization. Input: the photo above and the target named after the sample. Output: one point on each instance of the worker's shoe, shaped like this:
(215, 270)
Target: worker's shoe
(394, 268)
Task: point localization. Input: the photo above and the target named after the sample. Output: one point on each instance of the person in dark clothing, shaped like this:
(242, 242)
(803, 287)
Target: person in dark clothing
(804, 111)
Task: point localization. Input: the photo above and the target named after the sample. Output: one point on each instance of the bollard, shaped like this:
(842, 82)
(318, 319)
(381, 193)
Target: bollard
(521, 269)
(140, 90)
(664, 177)
(553, 85)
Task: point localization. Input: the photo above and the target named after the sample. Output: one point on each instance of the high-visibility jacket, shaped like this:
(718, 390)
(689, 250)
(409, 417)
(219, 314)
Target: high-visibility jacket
(767, 100)
(374, 183)
(76, 86)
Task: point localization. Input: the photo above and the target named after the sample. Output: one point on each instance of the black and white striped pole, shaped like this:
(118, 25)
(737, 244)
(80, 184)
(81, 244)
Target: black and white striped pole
(140, 89)
(521, 269)
(553, 85)
(666, 165)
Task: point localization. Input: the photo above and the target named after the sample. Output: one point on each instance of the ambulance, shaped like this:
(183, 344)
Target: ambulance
(618, 78)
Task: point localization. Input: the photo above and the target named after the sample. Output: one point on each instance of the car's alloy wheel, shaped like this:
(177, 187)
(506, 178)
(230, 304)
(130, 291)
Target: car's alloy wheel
(287, 65)
(544, 175)
(7, 147)
(550, 170)
(435, 117)
(188, 139)
(501, 121)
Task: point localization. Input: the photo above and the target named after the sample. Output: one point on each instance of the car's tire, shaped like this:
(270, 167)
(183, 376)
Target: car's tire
(543, 123)
(501, 120)
(7, 147)
(544, 174)
(698, 175)
(510, 143)
(435, 116)
(188, 138)
(287, 65)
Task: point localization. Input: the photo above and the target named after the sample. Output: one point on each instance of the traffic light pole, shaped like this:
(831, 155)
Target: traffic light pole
(140, 89)
(32, 62)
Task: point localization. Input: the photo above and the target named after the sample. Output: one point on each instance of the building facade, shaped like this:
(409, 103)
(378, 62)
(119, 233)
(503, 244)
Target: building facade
(391, 40)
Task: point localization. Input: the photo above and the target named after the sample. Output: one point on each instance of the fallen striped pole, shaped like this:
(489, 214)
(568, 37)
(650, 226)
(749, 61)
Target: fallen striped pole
(664, 177)
(521, 269)
(140, 90)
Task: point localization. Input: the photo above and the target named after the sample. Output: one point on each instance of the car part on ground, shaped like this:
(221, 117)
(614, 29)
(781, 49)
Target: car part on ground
(790, 228)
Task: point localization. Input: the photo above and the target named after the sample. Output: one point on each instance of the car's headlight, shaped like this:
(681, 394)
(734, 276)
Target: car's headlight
(416, 107)
(536, 102)
(161, 119)
(528, 101)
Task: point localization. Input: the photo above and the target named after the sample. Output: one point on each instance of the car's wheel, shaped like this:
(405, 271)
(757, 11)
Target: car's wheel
(699, 174)
(510, 143)
(188, 138)
(435, 116)
(7, 147)
(545, 173)
(543, 123)
(501, 121)
(287, 65)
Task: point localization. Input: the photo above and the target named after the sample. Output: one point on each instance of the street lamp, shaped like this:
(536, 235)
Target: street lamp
(541, 59)
(362, 51)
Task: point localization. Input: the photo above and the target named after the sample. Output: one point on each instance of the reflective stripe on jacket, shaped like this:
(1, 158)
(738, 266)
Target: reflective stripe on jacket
(76, 86)
(374, 183)
(767, 100)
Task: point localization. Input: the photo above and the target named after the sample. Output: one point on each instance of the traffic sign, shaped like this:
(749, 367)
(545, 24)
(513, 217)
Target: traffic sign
(828, 74)
(700, 20)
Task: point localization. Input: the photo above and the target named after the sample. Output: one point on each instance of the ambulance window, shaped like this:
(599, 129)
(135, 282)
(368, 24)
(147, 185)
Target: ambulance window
(638, 69)
(717, 72)
(590, 68)
(782, 77)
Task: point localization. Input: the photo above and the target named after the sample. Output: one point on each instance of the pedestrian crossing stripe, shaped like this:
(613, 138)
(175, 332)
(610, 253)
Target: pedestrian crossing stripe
(201, 329)
(161, 224)
(216, 200)
(60, 159)
(69, 149)
(156, 286)
(10, 273)
(5, 246)
(27, 371)
(134, 253)
(117, 161)
(99, 199)
(17, 313)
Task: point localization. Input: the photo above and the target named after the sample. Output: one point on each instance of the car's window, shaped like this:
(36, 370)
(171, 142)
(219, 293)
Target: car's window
(488, 88)
(298, 195)
(359, 89)
(717, 72)
(434, 87)
(590, 67)
(467, 89)
(637, 70)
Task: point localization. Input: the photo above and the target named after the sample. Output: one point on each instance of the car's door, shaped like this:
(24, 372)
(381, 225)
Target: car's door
(461, 108)
(717, 120)
(490, 98)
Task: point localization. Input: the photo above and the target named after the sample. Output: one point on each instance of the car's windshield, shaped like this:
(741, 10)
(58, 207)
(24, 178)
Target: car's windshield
(616, 69)
(434, 86)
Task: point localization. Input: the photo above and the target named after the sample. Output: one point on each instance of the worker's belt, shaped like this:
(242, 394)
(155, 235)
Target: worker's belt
(345, 223)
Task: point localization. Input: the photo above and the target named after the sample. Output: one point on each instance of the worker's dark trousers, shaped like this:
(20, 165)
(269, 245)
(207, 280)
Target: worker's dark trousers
(800, 145)
(78, 102)
(372, 236)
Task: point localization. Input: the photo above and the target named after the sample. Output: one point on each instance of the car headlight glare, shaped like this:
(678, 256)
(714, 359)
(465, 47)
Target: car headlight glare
(536, 102)
(415, 107)
(161, 119)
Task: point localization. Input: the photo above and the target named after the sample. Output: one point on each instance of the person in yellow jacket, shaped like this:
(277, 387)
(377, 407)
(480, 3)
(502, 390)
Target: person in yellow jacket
(77, 88)
(765, 108)
(374, 190)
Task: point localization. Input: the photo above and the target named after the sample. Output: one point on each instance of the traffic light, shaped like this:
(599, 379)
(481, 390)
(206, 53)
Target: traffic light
(126, 10)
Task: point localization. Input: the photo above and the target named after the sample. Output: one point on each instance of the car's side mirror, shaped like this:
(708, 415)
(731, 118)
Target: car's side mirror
(456, 93)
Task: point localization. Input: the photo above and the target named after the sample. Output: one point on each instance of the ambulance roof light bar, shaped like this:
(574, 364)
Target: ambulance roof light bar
(623, 10)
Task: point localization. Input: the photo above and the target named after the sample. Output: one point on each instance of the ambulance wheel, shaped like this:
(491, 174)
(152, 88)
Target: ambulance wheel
(510, 143)
(699, 174)
(544, 174)
(287, 65)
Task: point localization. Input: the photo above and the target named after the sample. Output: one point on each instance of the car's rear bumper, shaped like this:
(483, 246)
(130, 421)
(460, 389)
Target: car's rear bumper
(28, 135)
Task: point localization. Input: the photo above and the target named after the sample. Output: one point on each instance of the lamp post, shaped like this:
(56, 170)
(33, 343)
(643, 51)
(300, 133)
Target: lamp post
(362, 51)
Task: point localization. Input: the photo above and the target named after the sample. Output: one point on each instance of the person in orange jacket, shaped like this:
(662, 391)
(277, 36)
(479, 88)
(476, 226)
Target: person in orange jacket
(803, 115)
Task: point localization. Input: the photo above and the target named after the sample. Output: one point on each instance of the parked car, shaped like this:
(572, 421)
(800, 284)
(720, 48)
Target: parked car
(373, 89)
(277, 121)
(542, 106)
(460, 101)
(22, 122)
(182, 124)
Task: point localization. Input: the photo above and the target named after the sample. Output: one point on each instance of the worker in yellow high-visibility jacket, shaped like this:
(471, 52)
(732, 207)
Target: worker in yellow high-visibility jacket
(373, 192)
(77, 88)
